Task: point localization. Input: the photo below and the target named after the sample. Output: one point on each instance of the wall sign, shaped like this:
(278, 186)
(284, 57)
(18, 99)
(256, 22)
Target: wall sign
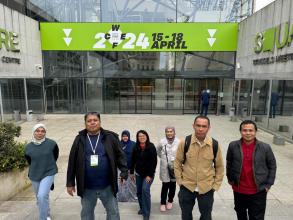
(139, 36)
(270, 39)
(9, 40)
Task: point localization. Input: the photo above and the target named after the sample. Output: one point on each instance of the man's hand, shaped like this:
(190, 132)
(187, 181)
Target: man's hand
(267, 189)
(148, 179)
(71, 190)
(132, 177)
(122, 180)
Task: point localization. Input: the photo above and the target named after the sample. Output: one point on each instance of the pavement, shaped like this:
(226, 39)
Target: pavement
(63, 128)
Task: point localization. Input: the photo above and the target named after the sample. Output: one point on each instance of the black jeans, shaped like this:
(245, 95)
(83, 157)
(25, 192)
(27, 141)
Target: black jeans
(250, 207)
(187, 201)
(168, 189)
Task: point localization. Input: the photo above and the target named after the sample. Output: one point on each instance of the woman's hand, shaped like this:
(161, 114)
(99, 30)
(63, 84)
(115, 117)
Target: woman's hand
(148, 179)
(71, 190)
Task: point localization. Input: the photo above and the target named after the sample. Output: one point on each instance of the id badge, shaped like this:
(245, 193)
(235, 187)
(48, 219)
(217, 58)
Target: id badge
(94, 160)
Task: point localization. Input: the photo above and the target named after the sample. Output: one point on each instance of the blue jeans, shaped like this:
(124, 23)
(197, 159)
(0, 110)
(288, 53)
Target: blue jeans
(144, 195)
(42, 189)
(89, 201)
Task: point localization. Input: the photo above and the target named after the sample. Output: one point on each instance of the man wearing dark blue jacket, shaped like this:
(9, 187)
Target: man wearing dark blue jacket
(251, 171)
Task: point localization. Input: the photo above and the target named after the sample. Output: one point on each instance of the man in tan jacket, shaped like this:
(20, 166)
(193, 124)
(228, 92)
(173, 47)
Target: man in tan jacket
(200, 171)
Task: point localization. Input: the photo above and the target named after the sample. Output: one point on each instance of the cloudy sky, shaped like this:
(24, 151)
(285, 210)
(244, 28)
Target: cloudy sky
(259, 4)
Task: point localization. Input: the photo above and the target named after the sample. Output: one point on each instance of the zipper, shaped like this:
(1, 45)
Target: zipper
(241, 153)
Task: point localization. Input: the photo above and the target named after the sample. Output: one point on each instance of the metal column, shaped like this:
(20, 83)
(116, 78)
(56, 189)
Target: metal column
(1, 105)
(269, 102)
(251, 99)
(25, 94)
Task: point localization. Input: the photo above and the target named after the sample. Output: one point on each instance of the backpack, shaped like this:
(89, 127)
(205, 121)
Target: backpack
(187, 143)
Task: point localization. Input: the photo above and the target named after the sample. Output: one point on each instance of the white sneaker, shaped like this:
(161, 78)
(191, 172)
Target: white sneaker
(49, 218)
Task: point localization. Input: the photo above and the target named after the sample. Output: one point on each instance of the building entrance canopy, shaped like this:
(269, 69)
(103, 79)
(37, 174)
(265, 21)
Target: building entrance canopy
(153, 37)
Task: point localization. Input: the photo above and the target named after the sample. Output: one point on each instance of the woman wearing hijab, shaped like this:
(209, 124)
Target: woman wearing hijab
(166, 150)
(127, 190)
(41, 154)
(144, 162)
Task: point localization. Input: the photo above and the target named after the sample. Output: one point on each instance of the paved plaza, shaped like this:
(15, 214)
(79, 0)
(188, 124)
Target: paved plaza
(63, 128)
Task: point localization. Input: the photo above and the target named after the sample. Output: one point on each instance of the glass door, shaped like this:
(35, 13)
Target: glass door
(127, 96)
(191, 96)
(57, 91)
(144, 89)
(212, 87)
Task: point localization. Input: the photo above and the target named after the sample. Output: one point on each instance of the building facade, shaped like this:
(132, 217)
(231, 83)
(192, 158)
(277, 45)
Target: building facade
(124, 82)
(264, 68)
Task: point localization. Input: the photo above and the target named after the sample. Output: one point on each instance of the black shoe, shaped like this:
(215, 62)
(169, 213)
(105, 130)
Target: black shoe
(139, 212)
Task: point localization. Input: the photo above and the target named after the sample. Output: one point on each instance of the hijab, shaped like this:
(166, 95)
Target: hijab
(170, 140)
(34, 140)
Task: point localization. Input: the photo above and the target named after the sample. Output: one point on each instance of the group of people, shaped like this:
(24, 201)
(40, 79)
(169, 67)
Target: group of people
(194, 163)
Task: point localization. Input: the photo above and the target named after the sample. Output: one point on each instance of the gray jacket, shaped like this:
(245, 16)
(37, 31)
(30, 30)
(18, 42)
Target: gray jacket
(264, 164)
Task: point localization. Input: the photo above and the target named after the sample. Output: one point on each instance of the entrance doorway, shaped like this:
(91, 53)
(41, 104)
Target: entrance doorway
(192, 95)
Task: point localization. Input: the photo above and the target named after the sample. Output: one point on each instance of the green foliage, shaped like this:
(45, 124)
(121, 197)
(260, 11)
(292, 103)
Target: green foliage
(11, 152)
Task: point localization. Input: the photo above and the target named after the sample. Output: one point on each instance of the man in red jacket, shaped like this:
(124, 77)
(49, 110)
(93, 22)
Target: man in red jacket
(251, 170)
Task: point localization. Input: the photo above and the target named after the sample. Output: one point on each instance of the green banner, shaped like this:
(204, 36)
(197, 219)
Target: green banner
(139, 36)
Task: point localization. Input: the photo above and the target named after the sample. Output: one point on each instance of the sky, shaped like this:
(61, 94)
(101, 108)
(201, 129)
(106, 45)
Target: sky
(259, 4)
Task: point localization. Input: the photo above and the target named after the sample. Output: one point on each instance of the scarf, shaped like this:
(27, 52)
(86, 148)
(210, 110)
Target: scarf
(34, 140)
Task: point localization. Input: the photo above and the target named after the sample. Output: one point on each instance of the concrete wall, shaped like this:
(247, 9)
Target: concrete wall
(30, 54)
(12, 183)
(277, 13)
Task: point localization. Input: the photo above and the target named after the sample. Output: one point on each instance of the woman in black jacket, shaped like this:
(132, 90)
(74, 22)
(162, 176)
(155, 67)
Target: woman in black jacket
(144, 162)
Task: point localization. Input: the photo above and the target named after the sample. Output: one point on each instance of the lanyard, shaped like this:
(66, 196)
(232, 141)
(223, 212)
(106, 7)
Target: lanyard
(93, 149)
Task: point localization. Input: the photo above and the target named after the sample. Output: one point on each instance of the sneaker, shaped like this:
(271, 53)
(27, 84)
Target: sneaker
(169, 205)
(163, 208)
(49, 218)
(139, 212)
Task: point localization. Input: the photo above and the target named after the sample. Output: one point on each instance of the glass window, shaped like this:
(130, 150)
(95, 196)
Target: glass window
(12, 97)
(138, 64)
(205, 64)
(94, 94)
(138, 11)
(213, 10)
(112, 93)
(65, 11)
(35, 95)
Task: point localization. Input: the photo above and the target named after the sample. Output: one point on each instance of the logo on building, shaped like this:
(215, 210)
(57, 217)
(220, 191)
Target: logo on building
(211, 39)
(9, 40)
(67, 39)
(276, 37)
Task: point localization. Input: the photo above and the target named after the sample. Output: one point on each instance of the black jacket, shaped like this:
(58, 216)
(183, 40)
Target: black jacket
(144, 162)
(76, 162)
(264, 164)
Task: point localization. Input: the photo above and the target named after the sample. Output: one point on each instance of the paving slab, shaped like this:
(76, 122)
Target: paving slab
(63, 129)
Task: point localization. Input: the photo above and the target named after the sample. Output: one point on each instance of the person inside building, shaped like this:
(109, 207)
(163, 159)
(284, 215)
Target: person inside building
(205, 101)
